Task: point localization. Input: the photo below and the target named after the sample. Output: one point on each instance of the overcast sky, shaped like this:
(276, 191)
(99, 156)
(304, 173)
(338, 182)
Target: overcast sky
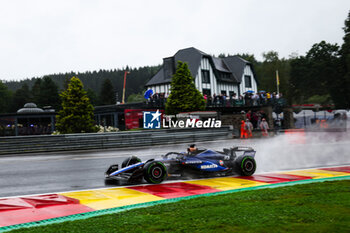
(39, 37)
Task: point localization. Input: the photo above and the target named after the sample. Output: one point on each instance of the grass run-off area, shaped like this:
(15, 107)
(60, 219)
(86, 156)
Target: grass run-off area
(314, 207)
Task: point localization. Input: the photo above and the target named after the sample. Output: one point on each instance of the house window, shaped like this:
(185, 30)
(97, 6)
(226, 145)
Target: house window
(225, 76)
(206, 92)
(248, 81)
(205, 76)
(223, 92)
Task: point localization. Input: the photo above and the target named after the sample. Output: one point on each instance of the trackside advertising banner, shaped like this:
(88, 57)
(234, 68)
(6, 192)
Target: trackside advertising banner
(157, 120)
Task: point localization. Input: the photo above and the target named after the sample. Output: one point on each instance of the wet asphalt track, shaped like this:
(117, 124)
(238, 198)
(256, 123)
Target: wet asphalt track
(68, 171)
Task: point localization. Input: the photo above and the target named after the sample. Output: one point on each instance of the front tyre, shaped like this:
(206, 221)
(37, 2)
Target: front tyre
(247, 166)
(154, 172)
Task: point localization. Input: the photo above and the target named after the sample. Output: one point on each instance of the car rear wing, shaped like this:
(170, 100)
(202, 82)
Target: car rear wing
(241, 151)
(242, 148)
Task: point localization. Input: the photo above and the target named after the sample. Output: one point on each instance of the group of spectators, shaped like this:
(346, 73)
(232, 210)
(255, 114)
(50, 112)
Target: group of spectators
(222, 100)
(247, 99)
(158, 99)
(254, 120)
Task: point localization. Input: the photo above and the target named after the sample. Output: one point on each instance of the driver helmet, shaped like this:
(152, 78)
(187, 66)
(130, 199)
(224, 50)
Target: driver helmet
(192, 148)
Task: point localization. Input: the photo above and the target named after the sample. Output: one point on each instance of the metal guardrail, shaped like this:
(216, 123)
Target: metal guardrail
(69, 142)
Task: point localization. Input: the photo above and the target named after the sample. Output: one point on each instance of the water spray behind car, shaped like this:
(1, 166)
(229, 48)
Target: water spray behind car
(299, 150)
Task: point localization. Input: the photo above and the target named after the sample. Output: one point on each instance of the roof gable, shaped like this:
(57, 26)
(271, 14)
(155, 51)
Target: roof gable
(233, 65)
(236, 65)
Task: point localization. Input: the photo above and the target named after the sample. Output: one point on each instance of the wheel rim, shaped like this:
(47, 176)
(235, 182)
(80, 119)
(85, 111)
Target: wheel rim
(249, 165)
(157, 172)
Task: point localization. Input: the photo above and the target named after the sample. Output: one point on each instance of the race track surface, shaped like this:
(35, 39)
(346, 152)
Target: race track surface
(36, 210)
(69, 171)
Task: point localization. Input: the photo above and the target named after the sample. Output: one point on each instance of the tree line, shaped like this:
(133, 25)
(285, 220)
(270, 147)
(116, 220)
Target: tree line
(103, 87)
(320, 76)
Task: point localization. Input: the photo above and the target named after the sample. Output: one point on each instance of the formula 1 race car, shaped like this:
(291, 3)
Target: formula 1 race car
(201, 163)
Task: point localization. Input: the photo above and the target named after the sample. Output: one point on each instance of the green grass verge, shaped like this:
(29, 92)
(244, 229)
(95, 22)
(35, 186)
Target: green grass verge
(315, 207)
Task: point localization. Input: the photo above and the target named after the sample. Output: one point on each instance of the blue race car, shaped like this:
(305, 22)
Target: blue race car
(193, 164)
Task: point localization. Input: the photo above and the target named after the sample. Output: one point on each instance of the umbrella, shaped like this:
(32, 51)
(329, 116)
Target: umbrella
(250, 91)
(148, 94)
(262, 91)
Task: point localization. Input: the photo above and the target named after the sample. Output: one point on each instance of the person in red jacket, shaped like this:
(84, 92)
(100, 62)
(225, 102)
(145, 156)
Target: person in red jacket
(243, 131)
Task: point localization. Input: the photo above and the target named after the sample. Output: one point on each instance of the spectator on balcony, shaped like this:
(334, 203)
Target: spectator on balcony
(268, 97)
(247, 99)
(215, 99)
(210, 100)
(255, 99)
(221, 100)
(262, 98)
(224, 100)
(234, 99)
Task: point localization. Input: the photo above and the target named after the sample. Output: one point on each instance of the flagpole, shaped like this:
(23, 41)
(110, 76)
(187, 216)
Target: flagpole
(278, 82)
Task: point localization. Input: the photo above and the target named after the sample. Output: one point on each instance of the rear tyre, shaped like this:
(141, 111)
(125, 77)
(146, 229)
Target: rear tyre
(247, 166)
(154, 172)
(130, 161)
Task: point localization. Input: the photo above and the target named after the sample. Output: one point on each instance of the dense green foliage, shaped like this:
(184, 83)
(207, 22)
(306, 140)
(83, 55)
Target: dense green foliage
(92, 96)
(267, 72)
(46, 93)
(107, 93)
(5, 95)
(344, 82)
(324, 71)
(77, 114)
(184, 96)
(21, 97)
(317, 207)
(43, 93)
(93, 81)
(133, 98)
(315, 73)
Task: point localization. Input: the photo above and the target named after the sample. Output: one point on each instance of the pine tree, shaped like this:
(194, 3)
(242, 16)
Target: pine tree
(36, 92)
(21, 97)
(107, 94)
(184, 96)
(77, 114)
(343, 85)
(49, 93)
(5, 98)
(92, 96)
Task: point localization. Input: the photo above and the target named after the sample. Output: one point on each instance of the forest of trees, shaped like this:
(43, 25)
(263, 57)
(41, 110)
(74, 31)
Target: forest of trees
(103, 87)
(322, 76)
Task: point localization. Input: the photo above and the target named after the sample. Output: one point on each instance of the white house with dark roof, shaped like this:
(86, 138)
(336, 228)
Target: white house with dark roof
(212, 75)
